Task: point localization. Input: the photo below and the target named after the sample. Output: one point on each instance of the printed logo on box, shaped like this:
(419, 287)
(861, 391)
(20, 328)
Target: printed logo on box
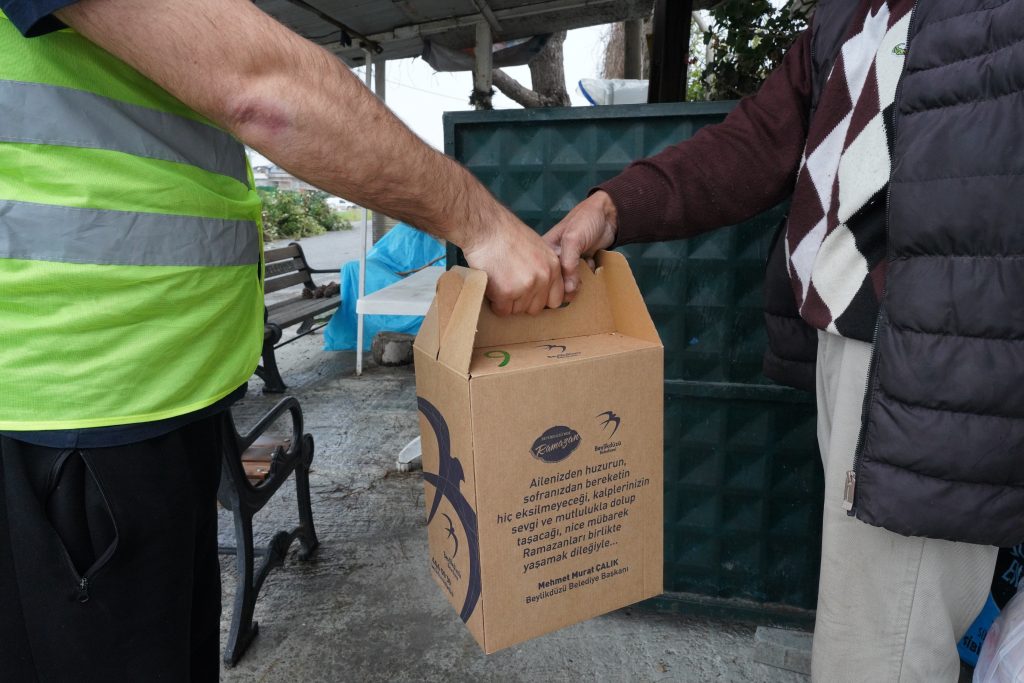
(505, 357)
(556, 444)
(559, 351)
(451, 535)
(447, 485)
(552, 347)
(608, 419)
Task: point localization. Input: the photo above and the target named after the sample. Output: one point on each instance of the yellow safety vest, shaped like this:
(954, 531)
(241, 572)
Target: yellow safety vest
(130, 244)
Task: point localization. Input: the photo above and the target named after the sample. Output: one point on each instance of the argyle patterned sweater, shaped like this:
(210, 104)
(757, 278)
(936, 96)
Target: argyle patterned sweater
(836, 166)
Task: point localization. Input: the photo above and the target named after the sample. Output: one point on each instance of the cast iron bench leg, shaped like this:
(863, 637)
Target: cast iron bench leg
(305, 532)
(245, 500)
(243, 628)
(273, 383)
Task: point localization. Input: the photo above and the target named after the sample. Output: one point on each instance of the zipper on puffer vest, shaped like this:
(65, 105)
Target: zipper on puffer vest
(850, 488)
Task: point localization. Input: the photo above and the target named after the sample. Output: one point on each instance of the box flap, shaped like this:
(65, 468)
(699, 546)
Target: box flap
(627, 303)
(460, 319)
(446, 294)
(460, 297)
(428, 339)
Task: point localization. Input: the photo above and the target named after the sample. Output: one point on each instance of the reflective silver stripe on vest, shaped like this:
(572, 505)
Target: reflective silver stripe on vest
(43, 232)
(53, 115)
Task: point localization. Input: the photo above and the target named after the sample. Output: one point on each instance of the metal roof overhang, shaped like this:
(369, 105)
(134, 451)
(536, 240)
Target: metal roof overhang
(398, 28)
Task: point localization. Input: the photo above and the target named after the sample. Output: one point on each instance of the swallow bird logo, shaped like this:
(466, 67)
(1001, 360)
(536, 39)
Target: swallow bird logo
(447, 483)
(552, 347)
(451, 534)
(610, 418)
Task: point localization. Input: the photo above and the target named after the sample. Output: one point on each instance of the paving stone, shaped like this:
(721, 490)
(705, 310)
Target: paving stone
(783, 649)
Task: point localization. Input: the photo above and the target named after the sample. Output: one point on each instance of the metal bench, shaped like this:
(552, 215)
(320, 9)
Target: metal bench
(254, 467)
(286, 267)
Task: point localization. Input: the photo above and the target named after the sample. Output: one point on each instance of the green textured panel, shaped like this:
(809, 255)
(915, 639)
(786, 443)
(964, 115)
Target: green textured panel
(743, 475)
(705, 297)
(742, 492)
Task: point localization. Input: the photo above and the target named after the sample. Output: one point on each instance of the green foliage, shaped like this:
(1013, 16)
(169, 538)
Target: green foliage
(748, 39)
(291, 215)
(695, 89)
(320, 211)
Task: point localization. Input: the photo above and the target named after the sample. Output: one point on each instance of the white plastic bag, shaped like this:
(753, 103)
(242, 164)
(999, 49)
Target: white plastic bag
(613, 91)
(1002, 656)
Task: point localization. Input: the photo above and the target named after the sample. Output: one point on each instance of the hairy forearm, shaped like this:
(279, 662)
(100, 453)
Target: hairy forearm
(321, 124)
(293, 102)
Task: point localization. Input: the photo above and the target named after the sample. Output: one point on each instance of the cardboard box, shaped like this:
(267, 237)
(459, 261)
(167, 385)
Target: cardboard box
(542, 454)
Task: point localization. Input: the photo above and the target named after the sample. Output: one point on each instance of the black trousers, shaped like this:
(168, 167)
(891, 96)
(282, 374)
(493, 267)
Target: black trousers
(108, 560)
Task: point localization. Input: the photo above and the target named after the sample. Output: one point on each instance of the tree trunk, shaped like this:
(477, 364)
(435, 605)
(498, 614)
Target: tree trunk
(614, 65)
(547, 73)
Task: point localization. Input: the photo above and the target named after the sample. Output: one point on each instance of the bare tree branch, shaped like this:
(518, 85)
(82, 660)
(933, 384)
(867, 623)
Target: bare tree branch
(547, 72)
(515, 91)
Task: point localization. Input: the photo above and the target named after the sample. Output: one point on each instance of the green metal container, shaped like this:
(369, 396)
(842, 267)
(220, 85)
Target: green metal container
(743, 484)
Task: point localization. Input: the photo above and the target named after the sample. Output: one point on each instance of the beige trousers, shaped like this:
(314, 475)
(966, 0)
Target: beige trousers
(890, 608)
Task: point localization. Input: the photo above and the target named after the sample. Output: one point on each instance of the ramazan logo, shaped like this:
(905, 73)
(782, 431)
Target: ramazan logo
(556, 444)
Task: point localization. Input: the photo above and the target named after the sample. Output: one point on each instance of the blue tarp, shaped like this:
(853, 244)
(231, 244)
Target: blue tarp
(404, 248)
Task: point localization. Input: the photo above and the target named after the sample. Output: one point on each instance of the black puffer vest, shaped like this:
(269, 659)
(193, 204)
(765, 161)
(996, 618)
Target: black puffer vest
(942, 444)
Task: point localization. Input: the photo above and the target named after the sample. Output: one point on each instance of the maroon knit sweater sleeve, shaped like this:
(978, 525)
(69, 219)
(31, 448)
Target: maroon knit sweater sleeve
(726, 173)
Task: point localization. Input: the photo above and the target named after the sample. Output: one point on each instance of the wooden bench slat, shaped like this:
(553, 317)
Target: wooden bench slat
(285, 281)
(271, 255)
(303, 306)
(256, 472)
(256, 459)
(286, 313)
(261, 453)
(283, 267)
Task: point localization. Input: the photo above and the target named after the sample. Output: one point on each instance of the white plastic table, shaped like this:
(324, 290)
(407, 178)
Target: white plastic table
(408, 296)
